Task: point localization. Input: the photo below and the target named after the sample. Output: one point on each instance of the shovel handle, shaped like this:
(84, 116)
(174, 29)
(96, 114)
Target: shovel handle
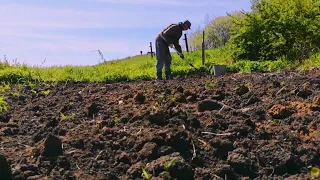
(180, 55)
(177, 51)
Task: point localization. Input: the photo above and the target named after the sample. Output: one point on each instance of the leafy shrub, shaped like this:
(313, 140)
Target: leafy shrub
(278, 28)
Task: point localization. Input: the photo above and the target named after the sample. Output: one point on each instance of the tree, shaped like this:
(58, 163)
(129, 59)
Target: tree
(217, 32)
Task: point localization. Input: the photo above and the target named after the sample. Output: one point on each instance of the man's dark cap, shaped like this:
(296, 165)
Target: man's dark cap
(188, 23)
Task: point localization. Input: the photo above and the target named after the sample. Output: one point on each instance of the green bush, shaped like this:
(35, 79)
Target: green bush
(276, 29)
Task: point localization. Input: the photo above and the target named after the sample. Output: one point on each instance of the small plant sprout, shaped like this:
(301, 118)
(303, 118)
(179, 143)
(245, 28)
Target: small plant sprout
(146, 174)
(6, 87)
(16, 94)
(170, 164)
(139, 133)
(210, 84)
(64, 117)
(46, 93)
(3, 105)
(34, 92)
(315, 173)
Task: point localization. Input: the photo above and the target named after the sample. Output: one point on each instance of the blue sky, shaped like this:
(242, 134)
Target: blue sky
(66, 31)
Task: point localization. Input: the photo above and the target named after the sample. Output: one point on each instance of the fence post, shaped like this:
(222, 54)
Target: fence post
(186, 40)
(151, 50)
(203, 52)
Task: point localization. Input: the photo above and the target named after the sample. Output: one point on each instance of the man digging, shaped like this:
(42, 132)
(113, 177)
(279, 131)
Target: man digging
(169, 37)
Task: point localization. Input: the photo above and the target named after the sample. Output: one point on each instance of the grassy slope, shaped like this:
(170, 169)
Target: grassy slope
(142, 67)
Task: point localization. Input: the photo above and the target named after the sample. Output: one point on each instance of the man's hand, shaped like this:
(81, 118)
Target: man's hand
(182, 56)
(171, 45)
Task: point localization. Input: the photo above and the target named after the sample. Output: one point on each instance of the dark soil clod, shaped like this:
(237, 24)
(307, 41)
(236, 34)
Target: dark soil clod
(157, 118)
(139, 97)
(280, 112)
(93, 109)
(304, 93)
(241, 90)
(52, 146)
(208, 105)
(5, 169)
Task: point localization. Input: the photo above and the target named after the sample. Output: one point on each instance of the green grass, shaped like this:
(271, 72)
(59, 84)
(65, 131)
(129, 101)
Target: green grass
(143, 68)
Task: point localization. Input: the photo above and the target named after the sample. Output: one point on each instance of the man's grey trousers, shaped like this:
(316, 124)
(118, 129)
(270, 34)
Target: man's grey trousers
(163, 59)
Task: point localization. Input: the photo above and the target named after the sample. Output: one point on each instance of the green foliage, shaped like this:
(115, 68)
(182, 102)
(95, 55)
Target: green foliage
(3, 105)
(311, 63)
(277, 29)
(65, 117)
(315, 173)
(264, 66)
(47, 92)
(210, 85)
(5, 88)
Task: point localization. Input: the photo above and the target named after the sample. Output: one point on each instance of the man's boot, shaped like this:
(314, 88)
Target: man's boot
(159, 75)
(168, 75)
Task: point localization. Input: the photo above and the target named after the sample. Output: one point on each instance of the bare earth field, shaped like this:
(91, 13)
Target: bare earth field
(257, 126)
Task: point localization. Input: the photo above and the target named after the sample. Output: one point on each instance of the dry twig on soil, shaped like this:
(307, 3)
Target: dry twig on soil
(223, 134)
(282, 89)
(194, 150)
(99, 155)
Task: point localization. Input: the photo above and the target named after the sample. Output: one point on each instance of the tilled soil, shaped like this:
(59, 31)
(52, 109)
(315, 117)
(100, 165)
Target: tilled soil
(257, 126)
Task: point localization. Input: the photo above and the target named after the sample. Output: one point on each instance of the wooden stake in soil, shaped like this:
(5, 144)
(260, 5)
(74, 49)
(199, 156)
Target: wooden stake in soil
(151, 52)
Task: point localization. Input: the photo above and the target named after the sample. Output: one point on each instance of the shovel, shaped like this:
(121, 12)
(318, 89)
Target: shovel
(180, 56)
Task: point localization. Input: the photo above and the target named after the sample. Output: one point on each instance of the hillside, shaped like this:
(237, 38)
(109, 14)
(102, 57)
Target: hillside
(143, 68)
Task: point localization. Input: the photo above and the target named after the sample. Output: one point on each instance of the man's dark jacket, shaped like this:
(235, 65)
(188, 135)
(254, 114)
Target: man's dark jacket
(171, 35)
